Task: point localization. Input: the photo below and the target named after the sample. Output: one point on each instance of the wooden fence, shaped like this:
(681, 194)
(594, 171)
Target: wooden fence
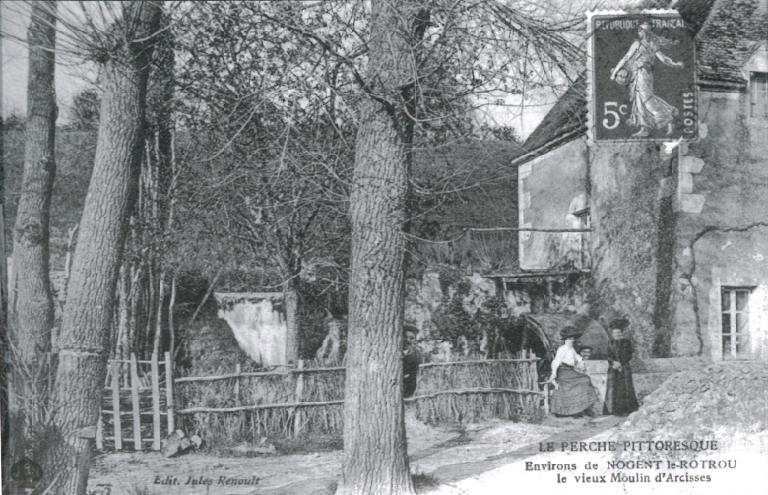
(245, 406)
(137, 397)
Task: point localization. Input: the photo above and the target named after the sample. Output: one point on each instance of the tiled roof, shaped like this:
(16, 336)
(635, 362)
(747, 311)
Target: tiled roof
(727, 39)
(724, 41)
(567, 118)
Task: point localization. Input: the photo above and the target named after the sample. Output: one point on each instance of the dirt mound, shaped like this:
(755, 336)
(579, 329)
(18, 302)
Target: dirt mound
(727, 402)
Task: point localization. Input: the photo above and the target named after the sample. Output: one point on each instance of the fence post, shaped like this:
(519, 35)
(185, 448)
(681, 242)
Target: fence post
(169, 410)
(155, 403)
(237, 384)
(100, 432)
(299, 394)
(135, 403)
(238, 399)
(116, 426)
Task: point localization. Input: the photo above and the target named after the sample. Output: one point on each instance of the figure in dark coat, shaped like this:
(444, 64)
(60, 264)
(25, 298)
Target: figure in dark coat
(620, 398)
(411, 361)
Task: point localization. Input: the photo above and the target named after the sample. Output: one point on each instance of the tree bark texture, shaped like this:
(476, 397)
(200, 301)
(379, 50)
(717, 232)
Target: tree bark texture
(32, 313)
(85, 329)
(375, 453)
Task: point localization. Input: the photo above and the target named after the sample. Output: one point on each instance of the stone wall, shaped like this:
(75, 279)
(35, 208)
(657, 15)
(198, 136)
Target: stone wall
(723, 227)
(673, 224)
(551, 294)
(460, 313)
(628, 185)
(671, 230)
(428, 296)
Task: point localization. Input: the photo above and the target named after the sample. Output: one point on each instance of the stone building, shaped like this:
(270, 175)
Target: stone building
(679, 231)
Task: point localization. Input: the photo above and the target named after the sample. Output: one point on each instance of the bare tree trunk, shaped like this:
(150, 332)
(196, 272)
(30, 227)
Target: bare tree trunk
(375, 453)
(32, 313)
(291, 301)
(159, 315)
(85, 332)
(154, 207)
(133, 317)
(171, 305)
(208, 293)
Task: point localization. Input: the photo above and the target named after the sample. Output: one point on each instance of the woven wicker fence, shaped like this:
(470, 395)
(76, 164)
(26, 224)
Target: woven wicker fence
(237, 407)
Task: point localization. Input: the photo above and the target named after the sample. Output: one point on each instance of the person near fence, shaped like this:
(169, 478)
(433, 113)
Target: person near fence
(411, 360)
(620, 398)
(573, 392)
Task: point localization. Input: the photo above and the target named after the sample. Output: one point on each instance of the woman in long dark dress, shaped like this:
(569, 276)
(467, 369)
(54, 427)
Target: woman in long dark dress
(573, 393)
(620, 398)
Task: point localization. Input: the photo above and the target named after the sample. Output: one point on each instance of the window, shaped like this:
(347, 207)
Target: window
(735, 314)
(585, 222)
(758, 95)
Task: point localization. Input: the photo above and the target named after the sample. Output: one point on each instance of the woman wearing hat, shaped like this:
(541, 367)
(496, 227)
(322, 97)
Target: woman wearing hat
(620, 398)
(573, 392)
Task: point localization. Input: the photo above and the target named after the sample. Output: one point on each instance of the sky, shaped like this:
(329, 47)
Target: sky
(71, 78)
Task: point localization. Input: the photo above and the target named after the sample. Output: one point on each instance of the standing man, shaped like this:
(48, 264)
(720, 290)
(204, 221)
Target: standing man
(411, 360)
(585, 352)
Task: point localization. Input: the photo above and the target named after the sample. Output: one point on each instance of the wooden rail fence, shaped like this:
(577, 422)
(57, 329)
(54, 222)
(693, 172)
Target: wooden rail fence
(136, 398)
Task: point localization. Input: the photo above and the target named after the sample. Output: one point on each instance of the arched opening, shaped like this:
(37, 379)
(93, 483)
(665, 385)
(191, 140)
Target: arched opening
(541, 334)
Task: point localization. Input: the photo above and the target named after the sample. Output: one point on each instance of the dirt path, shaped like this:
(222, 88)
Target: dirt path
(440, 455)
(568, 430)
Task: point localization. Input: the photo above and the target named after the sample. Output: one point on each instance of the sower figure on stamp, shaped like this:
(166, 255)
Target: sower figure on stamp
(649, 111)
(620, 398)
(573, 394)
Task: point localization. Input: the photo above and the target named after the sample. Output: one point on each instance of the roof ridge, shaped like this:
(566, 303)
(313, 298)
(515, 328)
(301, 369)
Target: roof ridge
(717, 65)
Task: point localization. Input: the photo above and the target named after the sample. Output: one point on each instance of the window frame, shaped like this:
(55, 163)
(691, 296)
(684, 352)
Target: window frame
(584, 216)
(758, 95)
(739, 338)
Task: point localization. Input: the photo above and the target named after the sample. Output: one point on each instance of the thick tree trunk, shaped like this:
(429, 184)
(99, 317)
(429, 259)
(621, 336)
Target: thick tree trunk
(32, 313)
(375, 453)
(85, 331)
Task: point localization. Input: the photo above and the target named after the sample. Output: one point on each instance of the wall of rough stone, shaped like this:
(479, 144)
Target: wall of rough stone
(670, 227)
(628, 184)
(430, 294)
(562, 293)
(723, 225)
(670, 231)
(433, 302)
